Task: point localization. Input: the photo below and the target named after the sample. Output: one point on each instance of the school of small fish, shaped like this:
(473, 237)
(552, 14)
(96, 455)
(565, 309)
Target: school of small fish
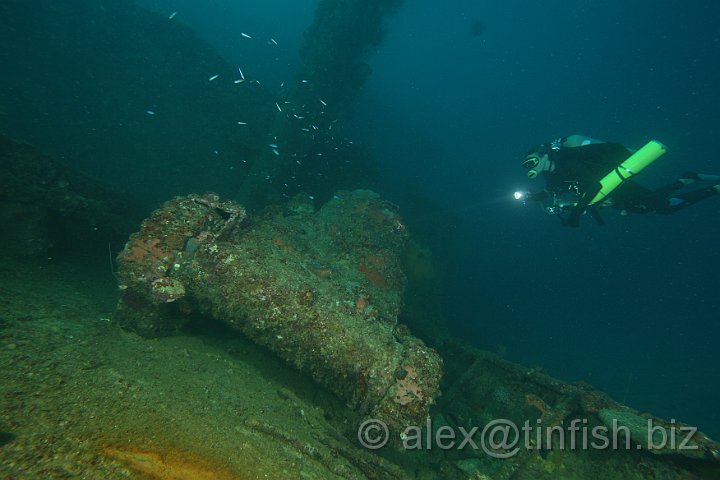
(319, 131)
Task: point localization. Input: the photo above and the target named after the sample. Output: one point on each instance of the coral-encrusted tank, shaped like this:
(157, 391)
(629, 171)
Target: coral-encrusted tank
(320, 289)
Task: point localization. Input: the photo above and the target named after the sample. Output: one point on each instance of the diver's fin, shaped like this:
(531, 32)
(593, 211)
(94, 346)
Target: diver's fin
(689, 177)
(708, 178)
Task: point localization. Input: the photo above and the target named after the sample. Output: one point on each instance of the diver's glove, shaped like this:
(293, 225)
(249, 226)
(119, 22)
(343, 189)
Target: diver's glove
(540, 196)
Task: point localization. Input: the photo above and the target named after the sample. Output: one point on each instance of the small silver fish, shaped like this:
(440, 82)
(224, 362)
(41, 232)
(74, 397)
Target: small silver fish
(213, 78)
(245, 35)
(172, 15)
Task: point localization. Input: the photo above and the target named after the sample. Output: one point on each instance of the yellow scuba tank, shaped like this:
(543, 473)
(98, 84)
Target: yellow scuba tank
(632, 166)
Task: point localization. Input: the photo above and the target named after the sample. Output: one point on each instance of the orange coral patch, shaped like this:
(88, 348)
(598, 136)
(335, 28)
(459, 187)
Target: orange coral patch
(374, 276)
(360, 304)
(539, 403)
(144, 251)
(172, 464)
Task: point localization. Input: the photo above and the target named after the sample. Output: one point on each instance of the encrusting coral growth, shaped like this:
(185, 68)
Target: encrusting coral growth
(322, 290)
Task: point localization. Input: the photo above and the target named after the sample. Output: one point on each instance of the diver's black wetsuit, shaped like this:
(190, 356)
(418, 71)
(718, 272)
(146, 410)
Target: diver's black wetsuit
(586, 165)
(582, 167)
(667, 200)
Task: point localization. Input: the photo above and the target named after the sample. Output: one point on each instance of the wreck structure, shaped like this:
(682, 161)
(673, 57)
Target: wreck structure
(322, 290)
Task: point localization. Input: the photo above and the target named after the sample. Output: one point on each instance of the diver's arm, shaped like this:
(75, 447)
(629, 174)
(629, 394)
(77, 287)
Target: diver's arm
(572, 219)
(540, 196)
(579, 141)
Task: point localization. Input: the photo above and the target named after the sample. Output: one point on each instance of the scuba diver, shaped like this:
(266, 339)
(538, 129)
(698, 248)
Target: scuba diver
(582, 173)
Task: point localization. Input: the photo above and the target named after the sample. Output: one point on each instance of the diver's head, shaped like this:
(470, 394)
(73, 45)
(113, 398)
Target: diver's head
(537, 160)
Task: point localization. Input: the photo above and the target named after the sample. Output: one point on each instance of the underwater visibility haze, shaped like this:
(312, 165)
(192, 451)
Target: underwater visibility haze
(237, 232)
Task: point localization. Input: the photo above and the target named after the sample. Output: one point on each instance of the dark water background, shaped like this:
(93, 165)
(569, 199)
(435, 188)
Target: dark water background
(632, 307)
(459, 91)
